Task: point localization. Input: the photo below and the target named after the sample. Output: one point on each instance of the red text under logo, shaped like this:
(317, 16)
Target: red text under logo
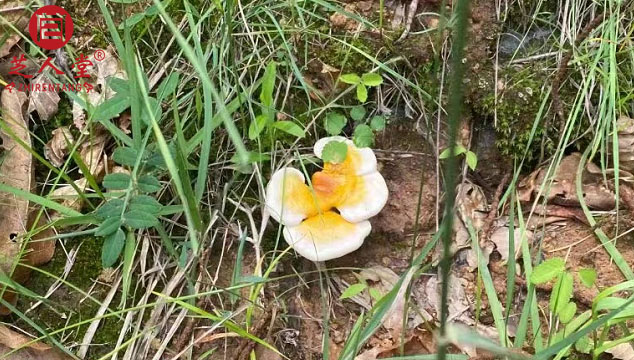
(51, 27)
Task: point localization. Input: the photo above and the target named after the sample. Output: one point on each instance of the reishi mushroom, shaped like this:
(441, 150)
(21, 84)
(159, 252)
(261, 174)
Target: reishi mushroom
(329, 219)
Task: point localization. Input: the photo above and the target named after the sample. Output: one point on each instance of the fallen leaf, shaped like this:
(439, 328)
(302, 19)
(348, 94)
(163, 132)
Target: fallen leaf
(622, 351)
(563, 190)
(15, 171)
(339, 20)
(501, 238)
(91, 151)
(11, 341)
(68, 196)
(458, 303)
(15, 216)
(43, 100)
(625, 127)
(16, 13)
(109, 67)
(57, 148)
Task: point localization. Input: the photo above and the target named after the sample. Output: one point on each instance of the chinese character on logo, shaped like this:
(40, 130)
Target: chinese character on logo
(48, 63)
(19, 66)
(81, 65)
(51, 27)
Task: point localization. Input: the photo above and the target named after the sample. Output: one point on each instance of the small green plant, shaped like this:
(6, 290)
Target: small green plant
(561, 307)
(364, 130)
(362, 83)
(470, 157)
(132, 208)
(266, 119)
(356, 289)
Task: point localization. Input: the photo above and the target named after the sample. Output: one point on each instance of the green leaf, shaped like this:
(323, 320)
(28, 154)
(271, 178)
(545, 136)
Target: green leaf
(112, 107)
(377, 123)
(547, 270)
(352, 79)
(252, 157)
(588, 277)
(362, 93)
(146, 204)
(445, 153)
(376, 294)
(567, 312)
(335, 152)
(363, 136)
(125, 156)
(112, 208)
(108, 227)
(117, 181)
(353, 290)
(139, 220)
(132, 20)
(584, 345)
(112, 246)
(257, 125)
(372, 79)
(148, 184)
(562, 292)
(156, 109)
(168, 86)
(472, 160)
(334, 123)
(357, 113)
(290, 128)
(124, 1)
(268, 85)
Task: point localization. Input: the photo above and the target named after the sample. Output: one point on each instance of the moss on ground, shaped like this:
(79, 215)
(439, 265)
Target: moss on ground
(518, 101)
(67, 306)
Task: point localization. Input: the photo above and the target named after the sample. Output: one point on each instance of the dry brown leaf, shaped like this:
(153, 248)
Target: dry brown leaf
(57, 148)
(563, 189)
(458, 303)
(15, 215)
(68, 196)
(625, 126)
(501, 238)
(91, 151)
(339, 20)
(622, 352)
(11, 340)
(15, 171)
(43, 101)
(99, 76)
(14, 12)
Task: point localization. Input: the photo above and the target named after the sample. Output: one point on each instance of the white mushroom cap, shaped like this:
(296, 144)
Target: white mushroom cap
(288, 199)
(326, 236)
(362, 159)
(366, 200)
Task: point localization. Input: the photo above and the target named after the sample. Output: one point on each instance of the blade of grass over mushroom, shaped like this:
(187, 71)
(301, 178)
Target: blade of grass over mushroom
(455, 102)
(206, 80)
